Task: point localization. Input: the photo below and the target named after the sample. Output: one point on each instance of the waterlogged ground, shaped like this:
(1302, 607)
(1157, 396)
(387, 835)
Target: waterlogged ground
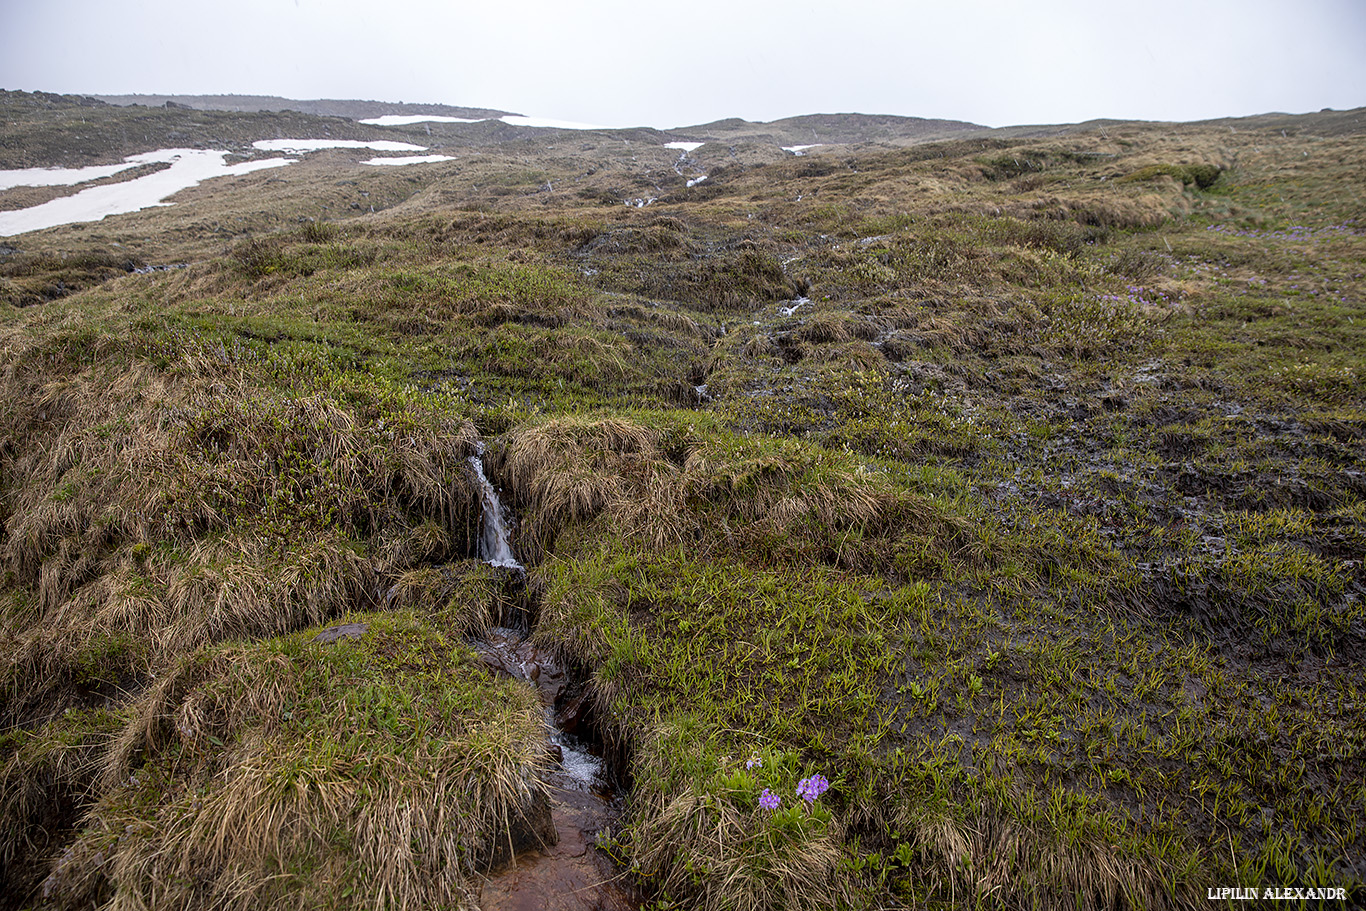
(1012, 486)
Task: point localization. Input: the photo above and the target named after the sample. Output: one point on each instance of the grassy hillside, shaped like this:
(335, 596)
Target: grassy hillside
(1013, 485)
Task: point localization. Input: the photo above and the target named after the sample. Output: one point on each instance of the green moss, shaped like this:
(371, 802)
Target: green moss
(1202, 176)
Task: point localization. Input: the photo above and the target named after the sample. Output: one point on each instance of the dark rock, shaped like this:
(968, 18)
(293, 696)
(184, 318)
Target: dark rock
(499, 661)
(571, 716)
(342, 631)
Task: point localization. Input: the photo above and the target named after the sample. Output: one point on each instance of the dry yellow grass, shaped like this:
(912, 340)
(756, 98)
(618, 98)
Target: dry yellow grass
(155, 507)
(569, 470)
(989, 859)
(242, 780)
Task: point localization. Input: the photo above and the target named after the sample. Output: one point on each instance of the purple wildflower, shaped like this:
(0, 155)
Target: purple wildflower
(754, 762)
(768, 800)
(809, 789)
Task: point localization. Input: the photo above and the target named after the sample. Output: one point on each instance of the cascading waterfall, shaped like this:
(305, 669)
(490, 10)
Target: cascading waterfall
(511, 651)
(494, 547)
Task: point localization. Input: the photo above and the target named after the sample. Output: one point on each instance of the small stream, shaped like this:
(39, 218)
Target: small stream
(495, 546)
(585, 798)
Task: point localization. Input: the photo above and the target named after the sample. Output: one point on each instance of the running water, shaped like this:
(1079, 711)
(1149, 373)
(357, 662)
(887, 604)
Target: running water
(572, 874)
(581, 764)
(494, 547)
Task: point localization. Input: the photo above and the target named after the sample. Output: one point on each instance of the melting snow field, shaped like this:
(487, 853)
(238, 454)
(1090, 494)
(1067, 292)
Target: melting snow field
(410, 159)
(188, 168)
(299, 146)
(61, 177)
(403, 120)
(799, 150)
(517, 120)
(684, 147)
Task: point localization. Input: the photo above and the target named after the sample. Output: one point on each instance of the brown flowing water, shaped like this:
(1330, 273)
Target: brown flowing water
(572, 874)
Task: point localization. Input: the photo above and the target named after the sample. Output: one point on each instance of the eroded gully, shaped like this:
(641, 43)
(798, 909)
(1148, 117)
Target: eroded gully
(585, 796)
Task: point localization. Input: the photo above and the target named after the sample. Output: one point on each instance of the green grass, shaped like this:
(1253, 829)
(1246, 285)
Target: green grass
(388, 764)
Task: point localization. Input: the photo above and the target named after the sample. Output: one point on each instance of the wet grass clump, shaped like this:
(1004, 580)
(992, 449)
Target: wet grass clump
(384, 765)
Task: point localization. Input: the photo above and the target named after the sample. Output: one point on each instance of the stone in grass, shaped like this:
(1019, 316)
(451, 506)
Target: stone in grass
(341, 631)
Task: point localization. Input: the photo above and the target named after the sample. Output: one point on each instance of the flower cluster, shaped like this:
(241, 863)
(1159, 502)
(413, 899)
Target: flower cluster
(809, 789)
(1141, 296)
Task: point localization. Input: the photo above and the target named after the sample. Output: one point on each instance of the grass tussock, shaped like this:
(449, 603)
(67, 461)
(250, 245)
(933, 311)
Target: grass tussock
(388, 769)
(669, 484)
(715, 845)
(726, 280)
(157, 513)
(32, 279)
(47, 775)
(982, 861)
(1202, 176)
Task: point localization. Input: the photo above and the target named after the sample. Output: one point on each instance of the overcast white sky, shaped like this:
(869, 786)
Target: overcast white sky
(637, 62)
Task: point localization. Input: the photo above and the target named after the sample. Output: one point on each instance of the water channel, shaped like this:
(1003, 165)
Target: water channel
(585, 794)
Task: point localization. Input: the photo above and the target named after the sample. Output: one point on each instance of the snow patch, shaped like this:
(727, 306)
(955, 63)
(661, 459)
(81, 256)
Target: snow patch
(188, 168)
(801, 150)
(684, 146)
(696, 180)
(519, 121)
(516, 120)
(300, 146)
(411, 159)
(403, 120)
(61, 177)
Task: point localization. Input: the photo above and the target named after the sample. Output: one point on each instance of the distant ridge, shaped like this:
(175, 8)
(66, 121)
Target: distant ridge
(816, 128)
(872, 127)
(326, 107)
(830, 129)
